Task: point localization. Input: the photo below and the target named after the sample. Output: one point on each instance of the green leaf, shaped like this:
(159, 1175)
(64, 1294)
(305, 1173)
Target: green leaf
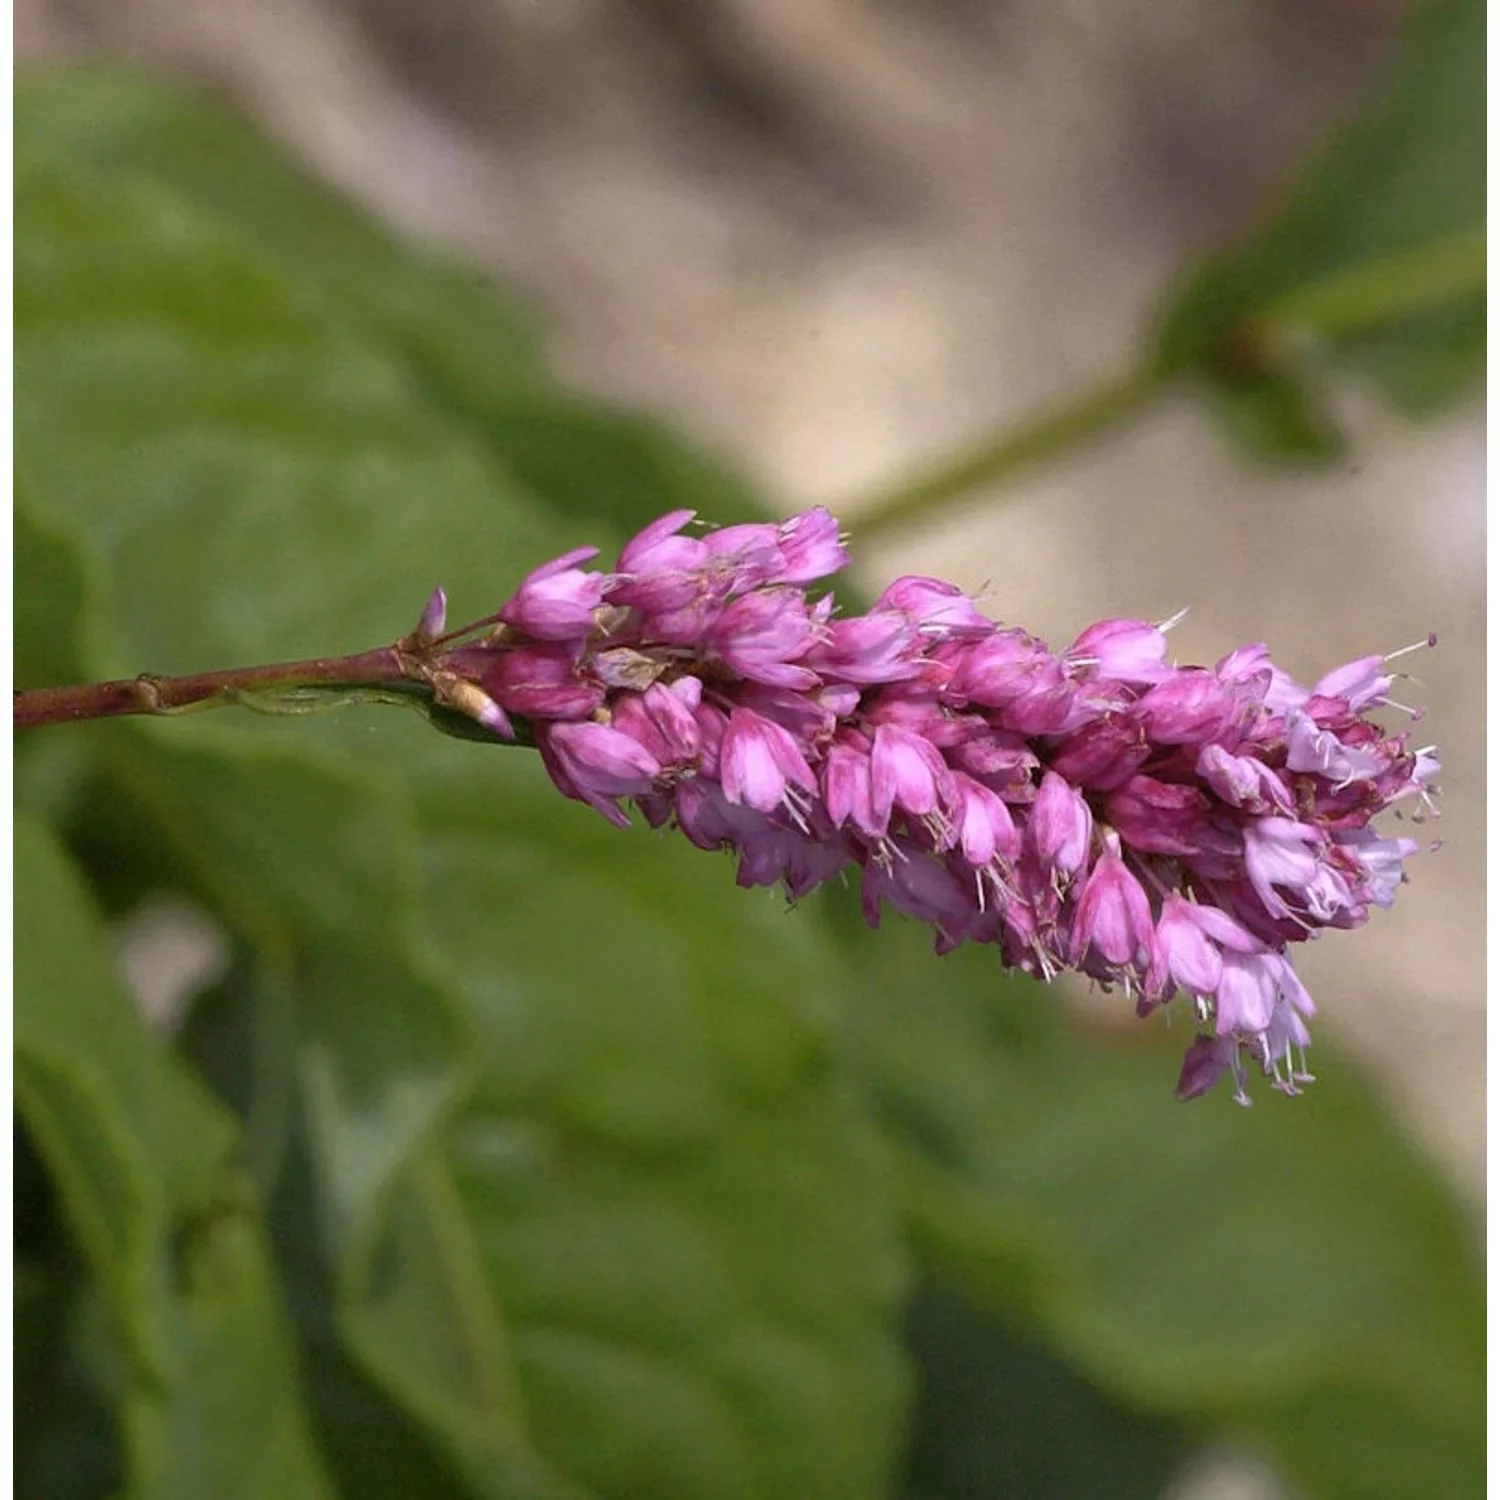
(128, 1139)
(143, 1163)
(1373, 265)
(122, 123)
(993, 1405)
(382, 1436)
(66, 1445)
(315, 864)
(677, 1210)
(233, 1357)
(240, 1035)
(423, 1322)
(53, 590)
(51, 594)
(1296, 1274)
(468, 353)
(168, 369)
(596, 463)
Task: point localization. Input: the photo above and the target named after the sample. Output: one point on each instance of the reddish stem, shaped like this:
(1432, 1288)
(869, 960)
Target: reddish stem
(149, 694)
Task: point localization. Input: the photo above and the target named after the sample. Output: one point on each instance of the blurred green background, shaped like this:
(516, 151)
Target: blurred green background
(389, 1126)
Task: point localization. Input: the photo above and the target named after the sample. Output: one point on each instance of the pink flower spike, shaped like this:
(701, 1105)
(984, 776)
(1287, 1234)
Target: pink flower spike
(709, 819)
(1001, 668)
(660, 721)
(809, 721)
(1230, 935)
(1113, 915)
(1157, 817)
(567, 563)
(1098, 809)
(672, 714)
(1309, 748)
(1381, 861)
(1243, 781)
(917, 886)
(746, 539)
(759, 760)
(542, 682)
(746, 555)
(812, 862)
(471, 699)
(1060, 825)
(1103, 755)
(1043, 706)
(1247, 994)
(1279, 690)
(840, 699)
(495, 719)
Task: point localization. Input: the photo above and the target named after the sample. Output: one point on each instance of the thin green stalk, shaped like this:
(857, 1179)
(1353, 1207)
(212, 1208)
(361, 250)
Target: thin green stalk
(1381, 291)
(1082, 419)
(1345, 302)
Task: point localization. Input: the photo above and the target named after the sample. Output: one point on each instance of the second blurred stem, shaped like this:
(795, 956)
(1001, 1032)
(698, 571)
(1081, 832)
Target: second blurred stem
(1064, 428)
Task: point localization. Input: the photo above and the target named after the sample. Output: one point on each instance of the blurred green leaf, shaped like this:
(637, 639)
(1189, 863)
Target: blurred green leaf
(426, 1324)
(1373, 264)
(235, 1426)
(66, 1445)
(1296, 1273)
(167, 369)
(309, 443)
(315, 865)
(143, 1163)
(590, 461)
(122, 123)
(468, 352)
(130, 1141)
(51, 598)
(50, 621)
(999, 1414)
(240, 1035)
(382, 1430)
(676, 1206)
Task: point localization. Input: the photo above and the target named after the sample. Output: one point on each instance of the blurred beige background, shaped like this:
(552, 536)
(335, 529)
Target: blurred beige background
(833, 238)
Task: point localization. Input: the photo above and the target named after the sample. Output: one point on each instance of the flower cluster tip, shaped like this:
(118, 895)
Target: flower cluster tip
(1158, 828)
